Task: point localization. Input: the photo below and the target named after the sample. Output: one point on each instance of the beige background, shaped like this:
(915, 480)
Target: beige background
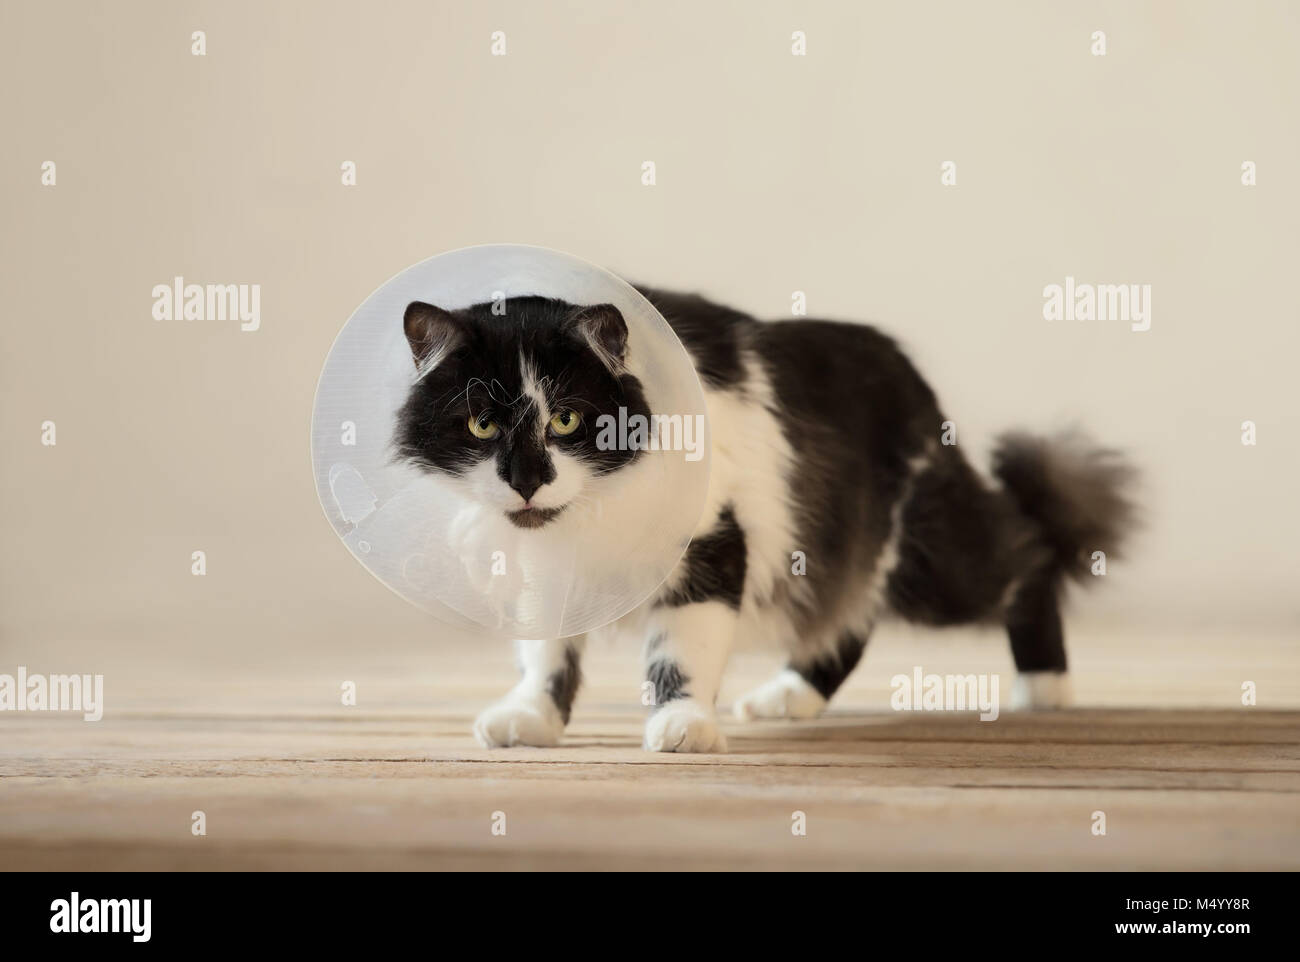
(775, 173)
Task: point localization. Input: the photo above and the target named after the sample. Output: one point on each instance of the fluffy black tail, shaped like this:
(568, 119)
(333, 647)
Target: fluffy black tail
(1073, 490)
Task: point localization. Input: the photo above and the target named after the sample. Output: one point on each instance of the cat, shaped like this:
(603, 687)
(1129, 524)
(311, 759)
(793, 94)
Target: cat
(825, 441)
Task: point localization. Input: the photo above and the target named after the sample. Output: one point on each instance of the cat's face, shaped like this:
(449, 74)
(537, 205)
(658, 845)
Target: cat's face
(507, 404)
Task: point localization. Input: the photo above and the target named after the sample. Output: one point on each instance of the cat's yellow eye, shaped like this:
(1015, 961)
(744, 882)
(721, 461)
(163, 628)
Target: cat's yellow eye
(565, 422)
(483, 427)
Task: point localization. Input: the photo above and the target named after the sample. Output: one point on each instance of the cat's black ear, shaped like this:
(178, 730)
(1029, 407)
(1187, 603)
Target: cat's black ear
(602, 327)
(430, 331)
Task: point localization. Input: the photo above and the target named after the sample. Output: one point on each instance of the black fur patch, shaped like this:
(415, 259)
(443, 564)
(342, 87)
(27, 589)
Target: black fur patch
(1034, 627)
(710, 332)
(960, 548)
(828, 672)
(854, 412)
(563, 684)
(668, 681)
(714, 566)
(1075, 491)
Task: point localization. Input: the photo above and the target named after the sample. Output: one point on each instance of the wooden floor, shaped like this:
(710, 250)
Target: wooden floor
(290, 779)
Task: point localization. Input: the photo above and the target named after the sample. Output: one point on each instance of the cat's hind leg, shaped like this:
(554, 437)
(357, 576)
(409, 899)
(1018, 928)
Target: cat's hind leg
(1033, 622)
(805, 686)
(536, 710)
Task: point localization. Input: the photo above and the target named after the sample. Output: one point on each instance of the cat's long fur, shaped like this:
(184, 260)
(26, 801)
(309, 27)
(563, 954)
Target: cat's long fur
(826, 442)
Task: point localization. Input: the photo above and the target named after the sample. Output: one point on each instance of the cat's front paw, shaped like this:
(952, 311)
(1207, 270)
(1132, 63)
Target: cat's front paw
(684, 726)
(787, 695)
(519, 720)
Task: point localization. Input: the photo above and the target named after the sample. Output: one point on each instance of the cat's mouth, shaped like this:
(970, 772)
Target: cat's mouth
(533, 517)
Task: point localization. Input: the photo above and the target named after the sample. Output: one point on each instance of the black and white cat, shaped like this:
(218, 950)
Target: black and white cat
(825, 440)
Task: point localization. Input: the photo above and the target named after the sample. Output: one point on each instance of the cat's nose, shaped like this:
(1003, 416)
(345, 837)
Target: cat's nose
(529, 470)
(526, 489)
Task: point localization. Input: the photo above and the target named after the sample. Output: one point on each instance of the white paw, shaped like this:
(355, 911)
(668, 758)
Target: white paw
(684, 726)
(1041, 690)
(519, 720)
(787, 695)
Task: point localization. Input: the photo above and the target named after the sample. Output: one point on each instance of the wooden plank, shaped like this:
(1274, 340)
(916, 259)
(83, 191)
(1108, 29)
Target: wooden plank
(289, 779)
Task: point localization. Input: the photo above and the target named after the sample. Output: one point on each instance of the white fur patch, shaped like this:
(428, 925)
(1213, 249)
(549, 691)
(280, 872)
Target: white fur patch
(751, 469)
(698, 638)
(751, 463)
(1041, 690)
(539, 411)
(787, 695)
(520, 718)
(684, 726)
